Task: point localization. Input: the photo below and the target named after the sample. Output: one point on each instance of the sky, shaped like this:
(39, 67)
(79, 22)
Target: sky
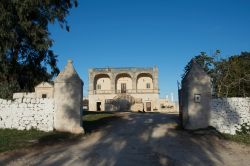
(145, 33)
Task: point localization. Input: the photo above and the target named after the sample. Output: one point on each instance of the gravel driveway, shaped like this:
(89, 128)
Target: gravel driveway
(139, 139)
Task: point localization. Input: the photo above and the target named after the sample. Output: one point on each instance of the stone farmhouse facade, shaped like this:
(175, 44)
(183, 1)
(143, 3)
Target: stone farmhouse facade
(121, 89)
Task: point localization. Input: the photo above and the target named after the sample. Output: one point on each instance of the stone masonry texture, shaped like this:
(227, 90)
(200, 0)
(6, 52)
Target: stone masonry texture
(27, 113)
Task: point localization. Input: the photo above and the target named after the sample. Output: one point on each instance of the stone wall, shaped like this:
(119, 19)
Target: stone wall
(167, 106)
(26, 113)
(50, 107)
(228, 114)
(198, 110)
(24, 95)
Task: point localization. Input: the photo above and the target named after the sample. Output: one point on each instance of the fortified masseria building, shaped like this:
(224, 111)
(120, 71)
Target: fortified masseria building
(123, 89)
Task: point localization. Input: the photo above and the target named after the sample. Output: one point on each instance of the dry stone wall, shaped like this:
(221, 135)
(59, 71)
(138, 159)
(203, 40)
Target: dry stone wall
(228, 114)
(26, 113)
(62, 111)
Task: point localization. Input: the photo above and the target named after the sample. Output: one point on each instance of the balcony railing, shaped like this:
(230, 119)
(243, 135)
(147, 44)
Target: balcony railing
(123, 68)
(128, 91)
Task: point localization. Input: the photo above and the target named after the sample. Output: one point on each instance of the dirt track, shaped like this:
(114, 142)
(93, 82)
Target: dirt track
(137, 139)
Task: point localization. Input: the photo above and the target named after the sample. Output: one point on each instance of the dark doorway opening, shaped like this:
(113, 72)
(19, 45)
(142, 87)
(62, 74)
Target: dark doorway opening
(98, 106)
(148, 106)
(123, 87)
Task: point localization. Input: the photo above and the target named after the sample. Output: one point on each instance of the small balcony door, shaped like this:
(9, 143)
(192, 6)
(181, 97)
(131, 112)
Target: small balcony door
(123, 88)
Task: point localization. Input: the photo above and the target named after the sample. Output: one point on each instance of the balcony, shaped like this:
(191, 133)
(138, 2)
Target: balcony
(128, 91)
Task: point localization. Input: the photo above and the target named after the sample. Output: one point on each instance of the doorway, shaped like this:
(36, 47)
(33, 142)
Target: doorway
(123, 87)
(98, 106)
(148, 106)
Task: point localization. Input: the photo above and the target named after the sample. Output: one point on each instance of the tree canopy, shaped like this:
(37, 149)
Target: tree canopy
(25, 43)
(230, 76)
(205, 61)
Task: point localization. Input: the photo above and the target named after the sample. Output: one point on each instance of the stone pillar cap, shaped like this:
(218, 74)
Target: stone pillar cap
(68, 74)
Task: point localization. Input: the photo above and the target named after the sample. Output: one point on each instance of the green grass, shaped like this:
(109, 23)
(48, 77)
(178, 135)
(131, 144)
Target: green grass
(11, 139)
(94, 116)
(94, 120)
(240, 138)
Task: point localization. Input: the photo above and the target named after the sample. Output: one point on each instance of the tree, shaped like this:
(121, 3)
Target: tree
(233, 76)
(205, 61)
(230, 77)
(25, 43)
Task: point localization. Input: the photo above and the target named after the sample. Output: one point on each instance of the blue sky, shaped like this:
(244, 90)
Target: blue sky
(144, 33)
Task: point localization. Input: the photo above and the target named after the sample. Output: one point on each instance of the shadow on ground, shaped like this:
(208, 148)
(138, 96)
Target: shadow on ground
(97, 120)
(133, 139)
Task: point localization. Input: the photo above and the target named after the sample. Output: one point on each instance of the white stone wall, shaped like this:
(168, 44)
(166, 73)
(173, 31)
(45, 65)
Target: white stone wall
(228, 114)
(24, 95)
(26, 113)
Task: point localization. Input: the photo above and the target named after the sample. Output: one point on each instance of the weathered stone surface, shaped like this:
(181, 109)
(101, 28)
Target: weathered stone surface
(141, 83)
(228, 114)
(18, 95)
(44, 89)
(20, 115)
(225, 114)
(194, 98)
(68, 100)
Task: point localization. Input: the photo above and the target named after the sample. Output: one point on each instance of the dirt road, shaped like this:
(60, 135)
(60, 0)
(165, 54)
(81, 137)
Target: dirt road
(138, 139)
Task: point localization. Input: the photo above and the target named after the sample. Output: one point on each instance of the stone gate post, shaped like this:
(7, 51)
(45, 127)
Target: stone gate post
(68, 97)
(195, 97)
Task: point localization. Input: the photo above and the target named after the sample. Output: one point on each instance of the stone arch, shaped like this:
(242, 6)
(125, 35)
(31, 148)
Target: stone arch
(104, 80)
(144, 78)
(123, 78)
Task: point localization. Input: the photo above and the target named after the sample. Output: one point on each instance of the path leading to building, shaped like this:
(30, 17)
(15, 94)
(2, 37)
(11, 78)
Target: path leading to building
(139, 139)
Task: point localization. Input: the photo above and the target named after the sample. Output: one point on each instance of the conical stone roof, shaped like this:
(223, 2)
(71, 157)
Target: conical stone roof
(68, 74)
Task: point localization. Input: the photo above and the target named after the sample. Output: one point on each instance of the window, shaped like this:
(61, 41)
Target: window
(148, 85)
(197, 98)
(99, 87)
(44, 95)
